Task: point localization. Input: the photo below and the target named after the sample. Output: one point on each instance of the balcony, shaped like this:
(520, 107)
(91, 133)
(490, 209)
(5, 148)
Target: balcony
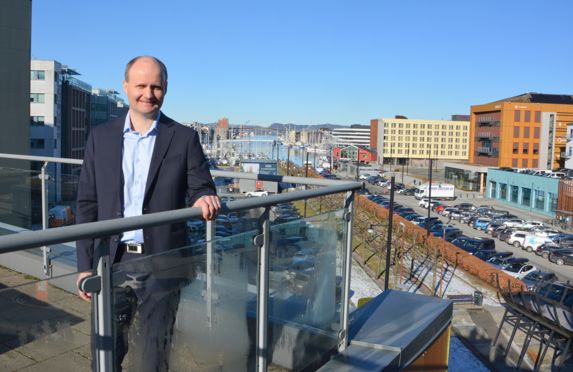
(263, 288)
(487, 151)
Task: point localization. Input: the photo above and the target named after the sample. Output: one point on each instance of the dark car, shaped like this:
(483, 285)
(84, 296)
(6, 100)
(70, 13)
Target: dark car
(449, 233)
(408, 191)
(492, 226)
(485, 254)
(545, 249)
(465, 206)
(505, 234)
(562, 256)
(536, 278)
(473, 244)
(498, 230)
(411, 216)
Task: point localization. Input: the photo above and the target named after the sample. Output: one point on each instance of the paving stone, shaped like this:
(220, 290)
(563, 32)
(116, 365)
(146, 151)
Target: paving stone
(67, 362)
(11, 360)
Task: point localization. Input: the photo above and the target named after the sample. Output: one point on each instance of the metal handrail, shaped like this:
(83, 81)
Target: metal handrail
(40, 158)
(31, 239)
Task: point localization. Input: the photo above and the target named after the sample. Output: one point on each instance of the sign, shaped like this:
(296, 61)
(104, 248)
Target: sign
(259, 184)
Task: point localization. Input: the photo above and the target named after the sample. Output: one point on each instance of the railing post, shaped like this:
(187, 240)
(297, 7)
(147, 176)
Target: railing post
(262, 241)
(209, 236)
(103, 318)
(348, 218)
(45, 249)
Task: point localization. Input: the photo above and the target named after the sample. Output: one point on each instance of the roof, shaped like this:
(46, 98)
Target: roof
(532, 97)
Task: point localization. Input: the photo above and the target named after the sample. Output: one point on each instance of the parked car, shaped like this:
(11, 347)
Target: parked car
(257, 193)
(533, 242)
(481, 223)
(446, 212)
(473, 244)
(518, 267)
(492, 226)
(497, 231)
(485, 254)
(536, 278)
(514, 222)
(465, 206)
(517, 239)
(506, 233)
(499, 259)
(456, 214)
(531, 224)
(562, 256)
(410, 191)
(545, 249)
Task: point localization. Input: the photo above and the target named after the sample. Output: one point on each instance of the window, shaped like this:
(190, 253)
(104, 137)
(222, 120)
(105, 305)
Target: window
(517, 116)
(527, 116)
(503, 191)
(37, 120)
(514, 194)
(37, 143)
(514, 163)
(552, 201)
(37, 97)
(515, 150)
(526, 132)
(516, 132)
(524, 163)
(37, 75)
(526, 196)
(526, 148)
(536, 132)
(535, 163)
(536, 149)
(539, 200)
(538, 116)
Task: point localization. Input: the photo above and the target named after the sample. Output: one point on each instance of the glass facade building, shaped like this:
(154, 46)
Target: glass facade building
(537, 194)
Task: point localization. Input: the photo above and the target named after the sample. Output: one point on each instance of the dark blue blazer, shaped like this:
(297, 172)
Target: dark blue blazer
(178, 176)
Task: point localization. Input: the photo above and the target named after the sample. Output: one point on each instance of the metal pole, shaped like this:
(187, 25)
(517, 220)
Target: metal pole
(407, 165)
(263, 242)
(45, 249)
(288, 161)
(403, 161)
(306, 176)
(429, 198)
(389, 239)
(104, 309)
(209, 236)
(343, 336)
(357, 163)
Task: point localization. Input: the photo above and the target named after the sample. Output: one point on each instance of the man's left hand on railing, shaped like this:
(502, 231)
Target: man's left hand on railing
(84, 295)
(210, 206)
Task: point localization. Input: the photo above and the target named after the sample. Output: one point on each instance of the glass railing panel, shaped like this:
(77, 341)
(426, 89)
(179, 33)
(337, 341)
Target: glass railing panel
(174, 299)
(44, 325)
(305, 282)
(20, 199)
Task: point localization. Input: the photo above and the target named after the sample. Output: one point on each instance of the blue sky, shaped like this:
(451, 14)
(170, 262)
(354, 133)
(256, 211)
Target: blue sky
(313, 61)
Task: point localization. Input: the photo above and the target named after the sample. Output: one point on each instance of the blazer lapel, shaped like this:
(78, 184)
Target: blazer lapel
(115, 154)
(164, 135)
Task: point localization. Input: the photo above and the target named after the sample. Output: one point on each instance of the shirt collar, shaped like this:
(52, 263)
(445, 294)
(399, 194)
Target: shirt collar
(152, 129)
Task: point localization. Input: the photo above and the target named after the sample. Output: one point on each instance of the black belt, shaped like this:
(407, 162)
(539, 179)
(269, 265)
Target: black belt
(136, 248)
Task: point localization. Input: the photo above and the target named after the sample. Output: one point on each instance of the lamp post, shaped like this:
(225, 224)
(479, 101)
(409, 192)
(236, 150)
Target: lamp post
(389, 239)
(306, 176)
(429, 192)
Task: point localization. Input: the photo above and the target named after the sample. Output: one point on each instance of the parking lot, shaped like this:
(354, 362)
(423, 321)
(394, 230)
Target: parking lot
(564, 272)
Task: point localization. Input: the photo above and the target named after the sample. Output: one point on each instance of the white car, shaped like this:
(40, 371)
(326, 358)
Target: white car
(531, 224)
(518, 269)
(514, 222)
(257, 193)
(532, 242)
(517, 239)
(425, 203)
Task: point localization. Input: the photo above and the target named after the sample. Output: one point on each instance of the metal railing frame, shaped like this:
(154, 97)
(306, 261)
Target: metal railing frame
(100, 284)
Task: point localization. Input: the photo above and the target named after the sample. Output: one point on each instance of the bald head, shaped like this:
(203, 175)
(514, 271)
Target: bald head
(161, 65)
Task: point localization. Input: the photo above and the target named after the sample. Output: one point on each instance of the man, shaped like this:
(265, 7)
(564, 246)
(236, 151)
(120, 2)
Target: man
(143, 162)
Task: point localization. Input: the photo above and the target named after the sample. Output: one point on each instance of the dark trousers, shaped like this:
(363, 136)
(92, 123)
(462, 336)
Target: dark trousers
(144, 311)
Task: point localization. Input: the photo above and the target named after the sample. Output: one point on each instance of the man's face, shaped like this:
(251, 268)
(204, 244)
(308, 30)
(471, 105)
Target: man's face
(145, 88)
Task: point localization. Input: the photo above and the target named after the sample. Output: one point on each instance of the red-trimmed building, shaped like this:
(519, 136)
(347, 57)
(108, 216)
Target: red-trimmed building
(365, 155)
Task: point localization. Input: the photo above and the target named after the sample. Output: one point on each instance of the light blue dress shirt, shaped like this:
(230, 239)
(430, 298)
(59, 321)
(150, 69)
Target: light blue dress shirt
(137, 152)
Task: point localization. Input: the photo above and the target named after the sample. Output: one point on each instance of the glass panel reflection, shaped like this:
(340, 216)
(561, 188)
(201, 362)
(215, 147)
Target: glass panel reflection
(306, 260)
(175, 311)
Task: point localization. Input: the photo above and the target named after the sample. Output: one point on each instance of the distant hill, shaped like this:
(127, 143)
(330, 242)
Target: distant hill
(281, 126)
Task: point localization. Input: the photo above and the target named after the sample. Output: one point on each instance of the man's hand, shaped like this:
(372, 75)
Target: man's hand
(84, 295)
(210, 205)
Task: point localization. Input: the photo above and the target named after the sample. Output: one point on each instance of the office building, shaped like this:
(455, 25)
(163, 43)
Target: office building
(415, 140)
(106, 105)
(525, 131)
(357, 135)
